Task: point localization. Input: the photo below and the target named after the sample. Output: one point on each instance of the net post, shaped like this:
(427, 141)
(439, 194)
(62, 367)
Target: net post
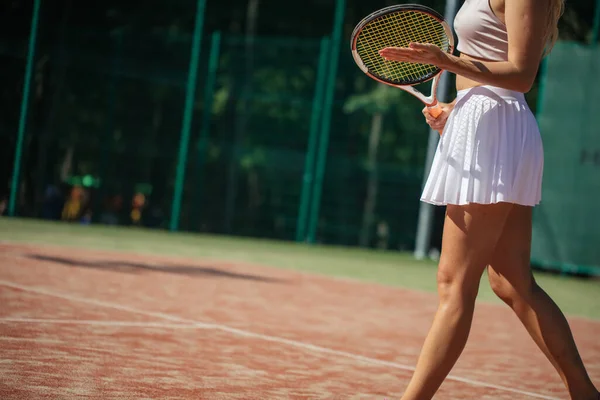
(14, 187)
(323, 145)
(213, 66)
(317, 106)
(426, 210)
(187, 115)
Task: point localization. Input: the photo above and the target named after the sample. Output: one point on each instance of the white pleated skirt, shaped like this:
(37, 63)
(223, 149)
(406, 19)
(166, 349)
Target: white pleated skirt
(490, 151)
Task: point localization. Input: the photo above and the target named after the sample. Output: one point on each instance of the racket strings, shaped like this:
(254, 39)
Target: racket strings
(399, 29)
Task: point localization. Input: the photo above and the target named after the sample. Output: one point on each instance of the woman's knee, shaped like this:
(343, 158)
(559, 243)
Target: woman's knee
(470, 236)
(456, 282)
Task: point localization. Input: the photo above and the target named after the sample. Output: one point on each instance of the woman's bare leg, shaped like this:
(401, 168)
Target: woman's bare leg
(470, 236)
(511, 279)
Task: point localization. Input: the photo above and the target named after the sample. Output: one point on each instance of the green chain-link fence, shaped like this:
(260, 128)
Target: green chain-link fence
(282, 143)
(113, 119)
(567, 222)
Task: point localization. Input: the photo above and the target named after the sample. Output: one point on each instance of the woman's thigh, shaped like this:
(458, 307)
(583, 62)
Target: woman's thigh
(471, 233)
(509, 270)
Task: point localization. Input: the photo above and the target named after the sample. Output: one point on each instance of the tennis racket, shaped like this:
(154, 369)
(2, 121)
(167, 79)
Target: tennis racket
(398, 26)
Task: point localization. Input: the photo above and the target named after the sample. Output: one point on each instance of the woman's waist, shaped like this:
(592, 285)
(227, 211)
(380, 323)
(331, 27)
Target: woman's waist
(491, 91)
(465, 85)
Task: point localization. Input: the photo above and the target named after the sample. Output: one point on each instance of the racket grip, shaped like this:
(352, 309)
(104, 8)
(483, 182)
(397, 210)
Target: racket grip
(435, 110)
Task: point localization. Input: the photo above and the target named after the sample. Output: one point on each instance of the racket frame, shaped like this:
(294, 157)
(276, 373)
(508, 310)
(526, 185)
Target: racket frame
(431, 100)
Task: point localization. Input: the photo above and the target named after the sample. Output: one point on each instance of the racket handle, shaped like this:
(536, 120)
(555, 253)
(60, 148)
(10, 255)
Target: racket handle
(435, 110)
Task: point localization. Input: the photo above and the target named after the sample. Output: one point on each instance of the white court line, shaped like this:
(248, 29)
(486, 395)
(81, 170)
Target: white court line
(51, 341)
(34, 340)
(93, 322)
(268, 338)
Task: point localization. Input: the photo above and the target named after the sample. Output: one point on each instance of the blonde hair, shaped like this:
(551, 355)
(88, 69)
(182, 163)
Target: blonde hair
(555, 11)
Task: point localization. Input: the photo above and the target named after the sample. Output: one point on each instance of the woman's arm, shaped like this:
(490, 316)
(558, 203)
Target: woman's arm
(526, 27)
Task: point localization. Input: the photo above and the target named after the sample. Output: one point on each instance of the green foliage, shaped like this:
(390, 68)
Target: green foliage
(379, 100)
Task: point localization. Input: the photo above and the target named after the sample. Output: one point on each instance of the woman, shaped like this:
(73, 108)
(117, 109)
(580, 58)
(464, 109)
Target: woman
(488, 171)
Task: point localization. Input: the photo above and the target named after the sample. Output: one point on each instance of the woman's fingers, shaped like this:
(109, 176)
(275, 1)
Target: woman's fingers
(437, 127)
(431, 119)
(423, 47)
(400, 54)
(416, 52)
(436, 123)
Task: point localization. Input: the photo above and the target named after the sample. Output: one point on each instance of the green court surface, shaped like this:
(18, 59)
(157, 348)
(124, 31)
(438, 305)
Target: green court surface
(576, 296)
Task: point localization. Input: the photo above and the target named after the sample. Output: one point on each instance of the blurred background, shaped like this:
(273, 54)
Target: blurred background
(250, 118)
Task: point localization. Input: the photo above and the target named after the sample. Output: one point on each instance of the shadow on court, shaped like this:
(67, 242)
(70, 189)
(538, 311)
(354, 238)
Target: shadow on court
(140, 267)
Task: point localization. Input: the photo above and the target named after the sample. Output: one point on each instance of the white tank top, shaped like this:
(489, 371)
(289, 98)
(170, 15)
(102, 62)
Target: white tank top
(480, 33)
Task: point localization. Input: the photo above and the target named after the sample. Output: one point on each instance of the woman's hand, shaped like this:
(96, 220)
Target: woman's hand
(438, 124)
(418, 53)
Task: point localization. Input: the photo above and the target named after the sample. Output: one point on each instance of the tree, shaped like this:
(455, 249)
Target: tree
(377, 103)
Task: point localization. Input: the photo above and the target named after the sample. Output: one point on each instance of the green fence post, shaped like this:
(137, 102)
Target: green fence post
(187, 115)
(596, 28)
(14, 187)
(541, 86)
(106, 165)
(326, 121)
(211, 78)
(317, 107)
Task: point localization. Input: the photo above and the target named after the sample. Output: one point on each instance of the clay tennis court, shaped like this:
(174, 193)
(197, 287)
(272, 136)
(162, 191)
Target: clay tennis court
(80, 323)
